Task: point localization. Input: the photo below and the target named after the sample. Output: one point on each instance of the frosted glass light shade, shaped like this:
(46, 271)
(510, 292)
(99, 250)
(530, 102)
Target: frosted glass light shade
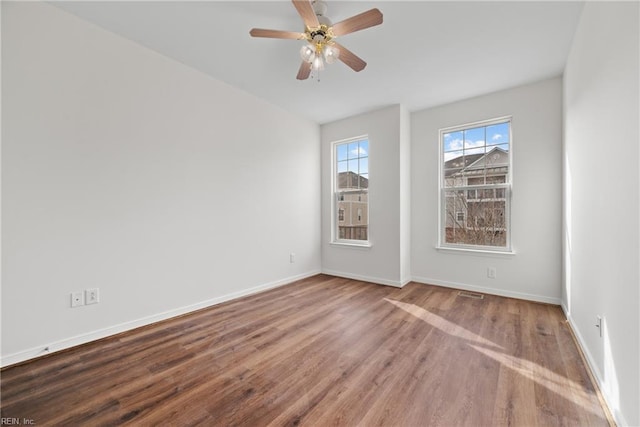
(318, 63)
(307, 53)
(331, 54)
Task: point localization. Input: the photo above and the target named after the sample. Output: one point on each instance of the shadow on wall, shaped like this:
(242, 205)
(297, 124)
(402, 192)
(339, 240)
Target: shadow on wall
(606, 374)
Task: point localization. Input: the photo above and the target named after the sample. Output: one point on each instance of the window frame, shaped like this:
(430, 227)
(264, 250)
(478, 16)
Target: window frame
(337, 196)
(476, 190)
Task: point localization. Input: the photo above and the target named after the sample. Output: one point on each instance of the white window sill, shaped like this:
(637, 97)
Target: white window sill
(479, 252)
(355, 245)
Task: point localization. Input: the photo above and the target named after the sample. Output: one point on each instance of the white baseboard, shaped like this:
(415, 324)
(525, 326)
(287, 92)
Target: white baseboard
(66, 343)
(376, 280)
(593, 366)
(485, 290)
(123, 327)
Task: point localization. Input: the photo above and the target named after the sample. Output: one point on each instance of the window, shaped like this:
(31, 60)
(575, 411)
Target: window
(475, 185)
(351, 191)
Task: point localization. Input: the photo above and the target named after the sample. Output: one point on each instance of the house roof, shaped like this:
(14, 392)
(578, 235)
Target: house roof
(468, 161)
(350, 180)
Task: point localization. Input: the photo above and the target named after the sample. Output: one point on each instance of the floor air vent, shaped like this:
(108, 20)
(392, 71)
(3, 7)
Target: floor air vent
(473, 295)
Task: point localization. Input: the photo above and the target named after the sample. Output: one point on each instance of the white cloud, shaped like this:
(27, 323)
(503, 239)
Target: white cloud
(477, 150)
(470, 147)
(359, 152)
(455, 144)
(449, 156)
(496, 136)
(473, 144)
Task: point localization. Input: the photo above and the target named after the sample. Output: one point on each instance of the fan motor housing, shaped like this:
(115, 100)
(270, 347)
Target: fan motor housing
(320, 34)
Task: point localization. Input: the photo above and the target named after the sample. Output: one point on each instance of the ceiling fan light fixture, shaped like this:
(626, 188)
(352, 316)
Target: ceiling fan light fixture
(318, 63)
(319, 33)
(323, 20)
(307, 52)
(331, 54)
(319, 7)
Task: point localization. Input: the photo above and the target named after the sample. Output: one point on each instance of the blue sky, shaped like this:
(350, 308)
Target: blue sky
(353, 157)
(476, 140)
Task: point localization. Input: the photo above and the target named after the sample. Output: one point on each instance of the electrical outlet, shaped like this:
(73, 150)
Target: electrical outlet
(77, 299)
(491, 272)
(92, 296)
(292, 258)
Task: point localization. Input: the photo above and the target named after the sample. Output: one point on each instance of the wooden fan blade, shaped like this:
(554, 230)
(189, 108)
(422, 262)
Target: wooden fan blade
(307, 13)
(358, 22)
(276, 34)
(350, 58)
(304, 71)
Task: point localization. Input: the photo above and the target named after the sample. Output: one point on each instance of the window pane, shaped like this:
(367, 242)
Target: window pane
(454, 159)
(364, 148)
(364, 180)
(352, 174)
(474, 138)
(341, 152)
(351, 214)
(353, 150)
(498, 134)
(342, 166)
(342, 180)
(353, 166)
(364, 165)
(452, 142)
(475, 150)
(484, 224)
(477, 156)
(453, 164)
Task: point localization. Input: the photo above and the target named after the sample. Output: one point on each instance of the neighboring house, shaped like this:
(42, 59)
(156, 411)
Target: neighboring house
(353, 211)
(477, 214)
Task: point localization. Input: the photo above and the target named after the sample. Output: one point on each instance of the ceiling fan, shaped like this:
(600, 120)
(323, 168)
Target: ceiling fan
(320, 33)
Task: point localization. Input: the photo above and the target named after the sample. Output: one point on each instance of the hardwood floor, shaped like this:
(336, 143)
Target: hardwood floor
(322, 351)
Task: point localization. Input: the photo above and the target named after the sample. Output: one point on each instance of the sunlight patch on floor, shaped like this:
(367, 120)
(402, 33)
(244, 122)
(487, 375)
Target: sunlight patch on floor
(558, 384)
(441, 323)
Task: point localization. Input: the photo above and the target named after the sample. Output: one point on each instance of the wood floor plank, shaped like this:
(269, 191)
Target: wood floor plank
(322, 351)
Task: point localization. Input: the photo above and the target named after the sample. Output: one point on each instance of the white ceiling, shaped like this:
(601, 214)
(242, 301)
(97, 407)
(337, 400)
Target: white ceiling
(425, 53)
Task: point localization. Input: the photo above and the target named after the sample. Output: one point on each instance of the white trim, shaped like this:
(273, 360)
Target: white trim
(617, 415)
(486, 122)
(334, 191)
(352, 244)
(375, 280)
(508, 185)
(485, 290)
(123, 327)
(476, 251)
(66, 343)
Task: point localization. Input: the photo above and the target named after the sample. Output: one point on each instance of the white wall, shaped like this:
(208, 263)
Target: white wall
(534, 272)
(127, 171)
(381, 263)
(601, 213)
